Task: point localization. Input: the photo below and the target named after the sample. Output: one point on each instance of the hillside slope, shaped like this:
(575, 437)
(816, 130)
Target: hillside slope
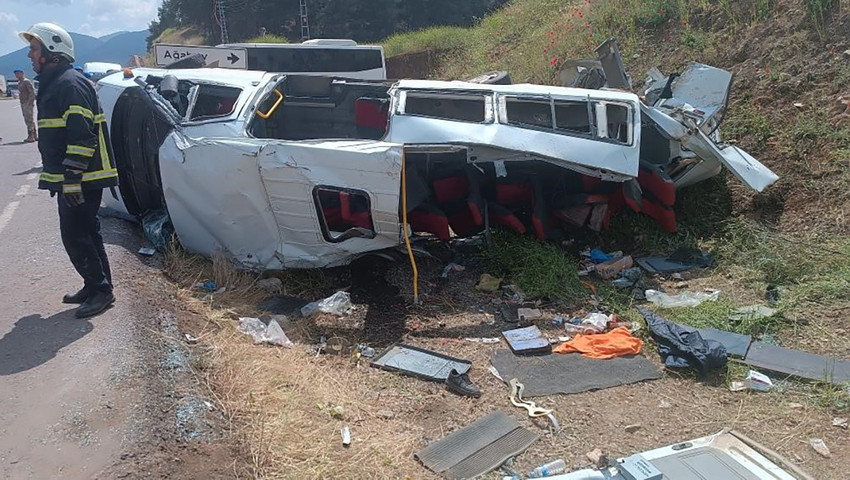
(114, 48)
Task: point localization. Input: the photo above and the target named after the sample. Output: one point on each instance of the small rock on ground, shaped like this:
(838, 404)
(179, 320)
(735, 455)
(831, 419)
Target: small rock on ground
(633, 428)
(820, 447)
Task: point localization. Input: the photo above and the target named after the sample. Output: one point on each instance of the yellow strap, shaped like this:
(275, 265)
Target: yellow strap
(79, 110)
(99, 118)
(87, 176)
(105, 162)
(80, 150)
(51, 123)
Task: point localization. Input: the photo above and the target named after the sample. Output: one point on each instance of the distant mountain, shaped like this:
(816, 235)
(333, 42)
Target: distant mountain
(114, 48)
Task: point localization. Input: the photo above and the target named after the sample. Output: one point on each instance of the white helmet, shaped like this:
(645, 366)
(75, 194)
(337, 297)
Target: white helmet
(54, 37)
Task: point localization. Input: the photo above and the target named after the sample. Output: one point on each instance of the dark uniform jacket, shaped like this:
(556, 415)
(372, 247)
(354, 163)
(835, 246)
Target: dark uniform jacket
(72, 131)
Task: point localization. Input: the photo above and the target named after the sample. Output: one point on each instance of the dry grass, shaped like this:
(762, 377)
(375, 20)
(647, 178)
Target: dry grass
(278, 399)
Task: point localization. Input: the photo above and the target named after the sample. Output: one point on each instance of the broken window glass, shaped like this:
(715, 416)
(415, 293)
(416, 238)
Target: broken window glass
(460, 107)
(535, 113)
(618, 122)
(343, 213)
(573, 117)
(214, 101)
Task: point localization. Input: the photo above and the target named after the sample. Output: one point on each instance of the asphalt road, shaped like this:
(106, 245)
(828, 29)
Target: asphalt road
(70, 390)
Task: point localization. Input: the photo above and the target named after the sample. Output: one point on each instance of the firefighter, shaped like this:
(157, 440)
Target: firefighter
(76, 155)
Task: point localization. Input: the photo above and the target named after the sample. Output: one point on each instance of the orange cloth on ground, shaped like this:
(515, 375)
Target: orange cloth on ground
(604, 345)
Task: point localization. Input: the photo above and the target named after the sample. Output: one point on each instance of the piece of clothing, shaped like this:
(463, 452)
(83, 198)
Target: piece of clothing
(615, 343)
(28, 112)
(26, 92)
(72, 132)
(684, 347)
(80, 228)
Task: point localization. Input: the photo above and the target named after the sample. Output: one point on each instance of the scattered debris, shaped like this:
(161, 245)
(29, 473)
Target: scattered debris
(526, 314)
(158, 229)
(570, 373)
(840, 423)
(488, 283)
(806, 365)
(686, 299)
(798, 104)
(386, 414)
(283, 305)
(337, 304)
(680, 260)
(147, 251)
(527, 341)
(684, 347)
(820, 447)
(753, 312)
(597, 321)
(737, 386)
(460, 384)
(615, 343)
(208, 286)
(628, 278)
(365, 350)
(346, 436)
(548, 469)
(271, 334)
(796, 406)
(190, 339)
(611, 268)
(477, 448)
(597, 458)
(337, 412)
(337, 346)
(452, 267)
(271, 284)
(517, 400)
(664, 404)
(758, 382)
(420, 362)
(485, 340)
(633, 428)
(210, 296)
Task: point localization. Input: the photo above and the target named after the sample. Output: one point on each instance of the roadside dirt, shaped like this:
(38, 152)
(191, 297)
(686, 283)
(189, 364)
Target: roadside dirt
(281, 399)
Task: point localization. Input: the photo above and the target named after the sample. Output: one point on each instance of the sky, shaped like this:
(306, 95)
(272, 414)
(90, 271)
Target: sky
(91, 17)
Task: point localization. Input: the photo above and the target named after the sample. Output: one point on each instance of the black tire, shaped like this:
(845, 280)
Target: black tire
(492, 78)
(192, 61)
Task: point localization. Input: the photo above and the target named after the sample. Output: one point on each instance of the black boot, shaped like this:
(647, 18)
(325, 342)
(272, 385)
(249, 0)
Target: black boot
(461, 385)
(76, 298)
(95, 304)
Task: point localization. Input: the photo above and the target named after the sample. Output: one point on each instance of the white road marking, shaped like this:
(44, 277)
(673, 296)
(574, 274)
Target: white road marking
(7, 214)
(25, 188)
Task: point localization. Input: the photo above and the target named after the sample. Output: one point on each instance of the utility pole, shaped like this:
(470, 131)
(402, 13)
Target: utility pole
(222, 20)
(305, 22)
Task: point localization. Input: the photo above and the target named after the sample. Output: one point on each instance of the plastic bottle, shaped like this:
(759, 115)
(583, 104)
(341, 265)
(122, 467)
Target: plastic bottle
(552, 468)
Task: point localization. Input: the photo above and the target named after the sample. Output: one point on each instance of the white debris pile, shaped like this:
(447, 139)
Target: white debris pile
(272, 334)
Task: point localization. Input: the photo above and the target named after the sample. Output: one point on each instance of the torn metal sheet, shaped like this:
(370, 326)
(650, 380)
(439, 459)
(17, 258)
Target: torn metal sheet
(806, 365)
(477, 448)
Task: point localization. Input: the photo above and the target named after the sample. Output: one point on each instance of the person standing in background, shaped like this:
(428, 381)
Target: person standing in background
(26, 94)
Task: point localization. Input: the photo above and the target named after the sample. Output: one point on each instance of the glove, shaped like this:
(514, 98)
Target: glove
(72, 188)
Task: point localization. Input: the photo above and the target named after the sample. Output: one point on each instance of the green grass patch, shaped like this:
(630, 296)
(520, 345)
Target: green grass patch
(541, 270)
(268, 38)
(430, 39)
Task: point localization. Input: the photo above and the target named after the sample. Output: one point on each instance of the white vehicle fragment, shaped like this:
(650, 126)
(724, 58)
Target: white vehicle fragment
(726, 455)
(286, 171)
(566, 126)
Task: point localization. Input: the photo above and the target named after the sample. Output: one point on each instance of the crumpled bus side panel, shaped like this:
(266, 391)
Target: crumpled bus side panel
(291, 172)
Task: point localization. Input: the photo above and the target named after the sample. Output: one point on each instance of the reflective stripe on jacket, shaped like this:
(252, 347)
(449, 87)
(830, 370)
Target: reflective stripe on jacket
(72, 131)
